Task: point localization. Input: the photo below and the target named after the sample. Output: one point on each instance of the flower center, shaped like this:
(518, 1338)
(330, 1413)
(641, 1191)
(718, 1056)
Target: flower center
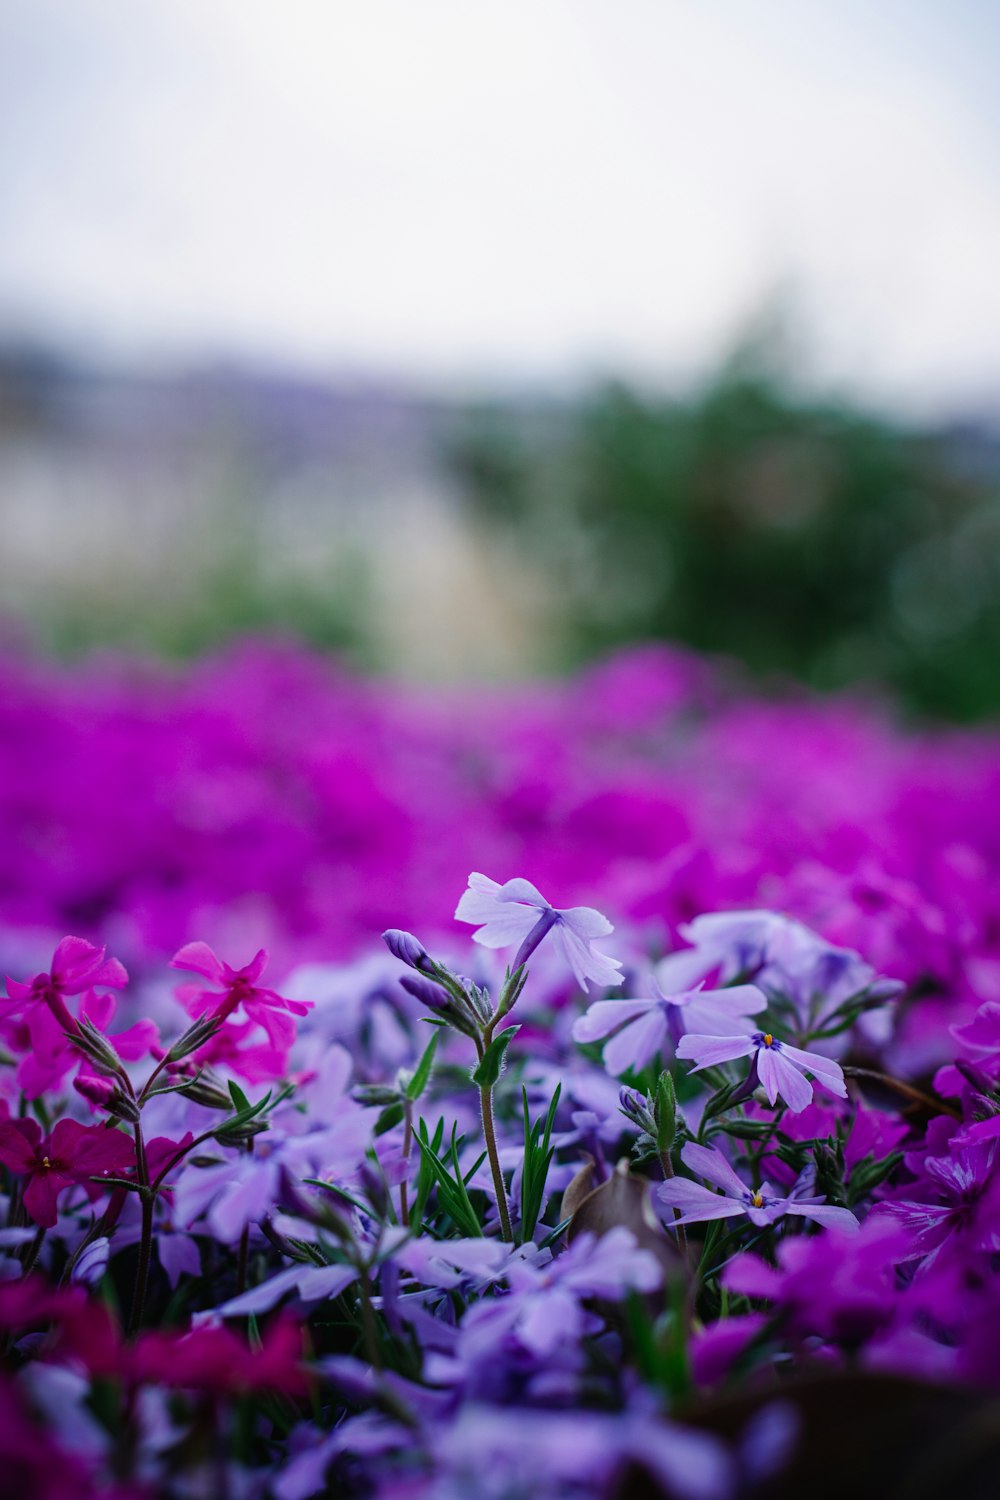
(768, 1039)
(757, 1200)
(46, 1163)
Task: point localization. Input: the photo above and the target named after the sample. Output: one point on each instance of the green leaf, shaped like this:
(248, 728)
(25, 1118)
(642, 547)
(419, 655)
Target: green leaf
(491, 1065)
(240, 1101)
(869, 1173)
(511, 992)
(665, 1101)
(389, 1117)
(451, 1189)
(538, 1153)
(421, 1077)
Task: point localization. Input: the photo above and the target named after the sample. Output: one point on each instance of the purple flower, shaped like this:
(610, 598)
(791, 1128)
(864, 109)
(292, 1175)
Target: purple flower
(833, 1285)
(643, 1027)
(954, 1205)
(543, 1310)
(779, 1068)
(762, 1207)
(518, 913)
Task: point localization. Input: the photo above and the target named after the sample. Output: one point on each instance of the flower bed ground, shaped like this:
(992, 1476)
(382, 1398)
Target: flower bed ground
(659, 1162)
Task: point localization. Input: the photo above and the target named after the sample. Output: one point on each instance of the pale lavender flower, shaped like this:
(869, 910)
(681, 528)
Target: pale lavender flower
(643, 1027)
(309, 1283)
(543, 1308)
(779, 1068)
(784, 957)
(762, 1206)
(518, 913)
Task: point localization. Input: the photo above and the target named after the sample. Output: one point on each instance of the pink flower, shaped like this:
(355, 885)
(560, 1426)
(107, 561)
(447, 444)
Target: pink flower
(237, 987)
(78, 967)
(220, 1361)
(71, 1154)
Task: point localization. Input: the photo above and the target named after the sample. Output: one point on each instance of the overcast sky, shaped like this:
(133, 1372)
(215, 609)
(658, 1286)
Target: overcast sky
(466, 190)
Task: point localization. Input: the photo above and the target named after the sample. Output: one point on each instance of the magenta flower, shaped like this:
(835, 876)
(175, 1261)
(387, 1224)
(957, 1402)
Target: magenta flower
(72, 1154)
(642, 1028)
(779, 1068)
(215, 1359)
(953, 1205)
(835, 1286)
(518, 913)
(40, 1070)
(78, 967)
(237, 987)
(762, 1207)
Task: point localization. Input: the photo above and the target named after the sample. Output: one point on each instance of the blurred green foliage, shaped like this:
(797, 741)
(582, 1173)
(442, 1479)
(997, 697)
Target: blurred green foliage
(801, 536)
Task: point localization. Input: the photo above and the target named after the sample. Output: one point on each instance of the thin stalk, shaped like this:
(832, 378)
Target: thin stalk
(244, 1250)
(142, 1272)
(929, 1101)
(33, 1251)
(489, 1136)
(368, 1322)
(404, 1197)
(147, 1197)
(668, 1172)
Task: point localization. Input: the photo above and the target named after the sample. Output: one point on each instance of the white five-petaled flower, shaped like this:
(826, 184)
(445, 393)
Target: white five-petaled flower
(516, 912)
(780, 1068)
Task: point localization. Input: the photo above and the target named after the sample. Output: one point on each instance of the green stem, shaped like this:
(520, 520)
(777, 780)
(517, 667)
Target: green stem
(668, 1172)
(147, 1197)
(489, 1135)
(404, 1203)
(142, 1272)
(33, 1251)
(368, 1322)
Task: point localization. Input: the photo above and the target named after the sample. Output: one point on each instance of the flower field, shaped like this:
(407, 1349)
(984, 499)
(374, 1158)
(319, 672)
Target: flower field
(584, 1089)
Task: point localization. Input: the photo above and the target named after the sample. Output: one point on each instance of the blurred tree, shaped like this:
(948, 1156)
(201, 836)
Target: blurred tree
(801, 536)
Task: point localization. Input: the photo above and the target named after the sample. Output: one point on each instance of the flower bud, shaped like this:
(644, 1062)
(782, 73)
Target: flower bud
(442, 1003)
(408, 949)
(196, 1036)
(95, 1045)
(103, 1093)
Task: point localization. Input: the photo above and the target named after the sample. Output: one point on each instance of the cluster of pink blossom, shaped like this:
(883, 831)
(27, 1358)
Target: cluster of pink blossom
(587, 1208)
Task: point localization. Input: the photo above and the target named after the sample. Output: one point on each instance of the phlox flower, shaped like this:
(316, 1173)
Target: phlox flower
(72, 1154)
(235, 988)
(37, 1021)
(762, 1207)
(544, 1306)
(639, 1029)
(953, 1206)
(783, 957)
(835, 1285)
(516, 912)
(217, 1360)
(779, 1068)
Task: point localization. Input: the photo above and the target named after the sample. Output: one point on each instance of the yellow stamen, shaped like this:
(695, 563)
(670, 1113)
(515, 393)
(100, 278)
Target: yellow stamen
(757, 1200)
(46, 1162)
(768, 1039)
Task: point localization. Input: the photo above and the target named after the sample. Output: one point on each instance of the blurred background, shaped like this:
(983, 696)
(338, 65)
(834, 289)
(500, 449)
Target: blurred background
(474, 340)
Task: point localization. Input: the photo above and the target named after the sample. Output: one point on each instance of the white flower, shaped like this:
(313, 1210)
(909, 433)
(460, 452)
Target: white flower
(517, 912)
